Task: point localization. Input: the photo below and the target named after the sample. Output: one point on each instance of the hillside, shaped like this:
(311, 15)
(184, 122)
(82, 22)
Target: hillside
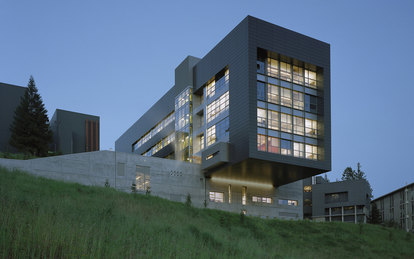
(46, 218)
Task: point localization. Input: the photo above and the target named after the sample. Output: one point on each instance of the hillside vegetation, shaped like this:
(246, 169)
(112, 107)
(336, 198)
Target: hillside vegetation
(46, 218)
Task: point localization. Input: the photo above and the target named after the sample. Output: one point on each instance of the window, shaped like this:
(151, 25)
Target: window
(285, 71)
(298, 102)
(222, 81)
(244, 195)
(142, 178)
(298, 75)
(286, 147)
(311, 128)
(286, 122)
(310, 103)
(311, 152)
(310, 78)
(298, 125)
(273, 122)
(261, 117)
(298, 149)
(211, 135)
(218, 106)
(210, 89)
(229, 189)
(285, 97)
(288, 202)
(261, 199)
(272, 67)
(336, 197)
(273, 93)
(307, 188)
(261, 142)
(201, 142)
(261, 91)
(273, 145)
(217, 197)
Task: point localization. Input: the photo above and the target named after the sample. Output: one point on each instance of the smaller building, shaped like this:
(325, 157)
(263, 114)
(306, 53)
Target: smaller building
(397, 207)
(345, 201)
(9, 100)
(74, 132)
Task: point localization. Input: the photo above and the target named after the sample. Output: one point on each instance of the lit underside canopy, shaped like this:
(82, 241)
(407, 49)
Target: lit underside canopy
(263, 172)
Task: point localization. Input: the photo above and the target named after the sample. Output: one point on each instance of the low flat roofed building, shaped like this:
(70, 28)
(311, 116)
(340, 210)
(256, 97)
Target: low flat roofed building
(74, 132)
(345, 201)
(255, 111)
(398, 207)
(9, 100)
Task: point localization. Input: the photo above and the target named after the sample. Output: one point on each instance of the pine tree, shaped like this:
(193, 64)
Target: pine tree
(30, 132)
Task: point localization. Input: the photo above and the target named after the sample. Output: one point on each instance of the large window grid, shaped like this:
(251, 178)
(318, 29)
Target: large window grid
(298, 149)
(283, 70)
(218, 131)
(273, 93)
(286, 122)
(160, 126)
(311, 152)
(218, 106)
(160, 145)
(298, 102)
(286, 97)
(261, 117)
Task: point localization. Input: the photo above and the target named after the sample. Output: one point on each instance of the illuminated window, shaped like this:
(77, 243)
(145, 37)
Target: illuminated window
(298, 149)
(218, 106)
(286, 147)
(201, 142)
(298, 102)
(272, 67)
(288, 202)
(273, 145)
(244, 195)
(261, 199)
(310, 103)
(298, 125)
(210, 89)
(261, 117)
(285, 71)
(261, 142)
(307, 188)
(286, 122)
(297, 75)
(229, 190)
(273, 121)
(142, 179)
(285, 97)
(311, 152)
(216, 197)
(211, 135)
(311, 128)
(273, 93)
(310, 78)
(261, 91)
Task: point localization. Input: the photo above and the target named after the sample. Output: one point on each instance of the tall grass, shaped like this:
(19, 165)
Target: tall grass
(46, 218)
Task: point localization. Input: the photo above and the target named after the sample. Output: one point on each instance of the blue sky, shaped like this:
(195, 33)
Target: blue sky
(116, 58)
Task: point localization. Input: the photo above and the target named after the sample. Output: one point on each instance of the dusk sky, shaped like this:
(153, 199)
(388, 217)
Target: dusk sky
(115, 59)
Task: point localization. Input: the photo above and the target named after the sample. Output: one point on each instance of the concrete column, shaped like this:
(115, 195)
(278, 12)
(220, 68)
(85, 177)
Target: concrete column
(330, 214)
(342, 213)
(355, 214)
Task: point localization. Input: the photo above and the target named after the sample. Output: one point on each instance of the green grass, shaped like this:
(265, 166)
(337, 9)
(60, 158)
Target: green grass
(19, 156)
(46, 218)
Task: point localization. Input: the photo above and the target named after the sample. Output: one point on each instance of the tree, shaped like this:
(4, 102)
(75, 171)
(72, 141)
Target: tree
(350, 174)
(30, 132)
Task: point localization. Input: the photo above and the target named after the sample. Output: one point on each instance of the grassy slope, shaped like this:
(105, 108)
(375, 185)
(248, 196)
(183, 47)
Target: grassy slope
(46, 218)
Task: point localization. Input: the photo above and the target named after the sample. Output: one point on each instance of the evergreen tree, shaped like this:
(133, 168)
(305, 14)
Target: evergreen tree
(30, 132)
(374, 217)
(350, 174)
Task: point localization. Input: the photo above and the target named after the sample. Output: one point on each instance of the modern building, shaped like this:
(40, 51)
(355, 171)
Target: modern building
(398, 207)
(9, 100)
(74, 132)
(345, 201)
(254, 113)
